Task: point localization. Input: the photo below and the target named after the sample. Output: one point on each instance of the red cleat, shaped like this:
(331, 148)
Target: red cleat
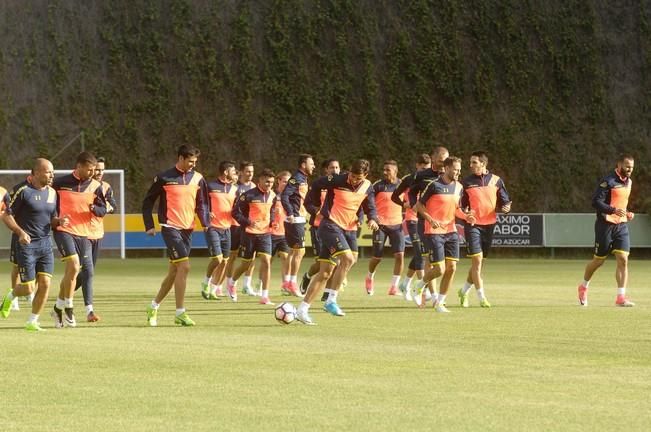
(92, 317)
(583, 295)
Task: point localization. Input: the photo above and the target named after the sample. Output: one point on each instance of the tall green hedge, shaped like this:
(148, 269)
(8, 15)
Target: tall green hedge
(552, 90)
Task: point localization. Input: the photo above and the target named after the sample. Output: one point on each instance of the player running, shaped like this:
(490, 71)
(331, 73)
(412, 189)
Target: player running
(253, 211)
(611, 229)
(415, 185)
(292, 199)
(389, 216)
(439, 205)
(181, 193)
(346, 193)
(483, 192)
(31, 215)
(416, 264)
(244, 183)
(279, 245)
(80, 198)
(95, 237)
(221, 197)
(329, 167)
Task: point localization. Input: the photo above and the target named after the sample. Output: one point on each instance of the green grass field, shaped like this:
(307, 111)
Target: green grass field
(535, 361)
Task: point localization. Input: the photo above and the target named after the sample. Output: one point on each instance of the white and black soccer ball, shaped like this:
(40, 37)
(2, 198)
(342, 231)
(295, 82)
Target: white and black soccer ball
(285, 313)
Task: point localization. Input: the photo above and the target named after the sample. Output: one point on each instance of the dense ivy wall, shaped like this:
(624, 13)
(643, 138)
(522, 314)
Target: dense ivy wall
(553, 90)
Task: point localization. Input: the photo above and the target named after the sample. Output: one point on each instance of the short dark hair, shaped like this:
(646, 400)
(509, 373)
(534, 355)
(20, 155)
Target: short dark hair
(424, 159)
(84, 158)
(625, 156)
(390, 162)
(266, 173)
(303, 157)
(438, 150)
(451, 160)
(326, 163)
(360, 166)
(481, 155)
(225, 165)
(245, 164)
(101, 159)
(186, 151)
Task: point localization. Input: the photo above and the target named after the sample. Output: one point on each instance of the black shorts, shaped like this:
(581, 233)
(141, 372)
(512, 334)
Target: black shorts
(417, 262)
(295, 235)
(236, 237)
(34, 259)
(443, 247)
(395, 235)
(279, 245)
(219, 242)
(316, 241)
(12, 252)
(610, 238)
(479, 239)
(178, 242)
(254, 244)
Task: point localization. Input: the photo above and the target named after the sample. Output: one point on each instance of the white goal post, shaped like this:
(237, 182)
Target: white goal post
(121, 193)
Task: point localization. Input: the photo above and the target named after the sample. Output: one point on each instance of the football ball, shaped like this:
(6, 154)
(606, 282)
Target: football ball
(285, 313)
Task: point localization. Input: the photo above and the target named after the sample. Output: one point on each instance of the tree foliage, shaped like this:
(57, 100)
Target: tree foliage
(552, 90)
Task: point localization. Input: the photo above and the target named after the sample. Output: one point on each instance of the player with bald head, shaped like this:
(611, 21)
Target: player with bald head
(31, 215)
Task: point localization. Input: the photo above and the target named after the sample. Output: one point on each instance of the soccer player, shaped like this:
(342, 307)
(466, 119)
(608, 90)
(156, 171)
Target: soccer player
(483, 192)
(416, 264)
(611, 228)
(253, 211)
(80, 197)
(221, 193)
(181, 193)
(346, 193)
(244, 183)
(95, 237)
(279, 245)
(389, 215)
(292, 200)
(439, 205)
(329, 167)
(415, 185)
(31, 215)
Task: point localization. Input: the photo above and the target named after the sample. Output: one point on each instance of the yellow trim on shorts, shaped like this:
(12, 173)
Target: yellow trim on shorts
(437, 262)
(248, 259)
(474, 255)
(283, 254)
(325, 260)
(341, 252)
(263, 253)
(599, 257)
(33, 281)
(217, 256)
(451, 259)
(298, 248)
(66, 258)
(179, 260)
(619, 251)
(44, 274)
(14, 264)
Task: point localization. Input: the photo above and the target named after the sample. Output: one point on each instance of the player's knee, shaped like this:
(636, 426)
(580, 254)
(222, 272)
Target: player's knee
(622, 259)
(450, 266)
(183, 266)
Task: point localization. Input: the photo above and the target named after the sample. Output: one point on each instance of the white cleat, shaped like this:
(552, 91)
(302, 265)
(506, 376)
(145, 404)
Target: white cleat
(14, 304)
(303, 317)
(408, 295)
(440, 308)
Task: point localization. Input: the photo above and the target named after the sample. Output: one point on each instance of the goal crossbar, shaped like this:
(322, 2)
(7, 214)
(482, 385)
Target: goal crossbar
(120, 173)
